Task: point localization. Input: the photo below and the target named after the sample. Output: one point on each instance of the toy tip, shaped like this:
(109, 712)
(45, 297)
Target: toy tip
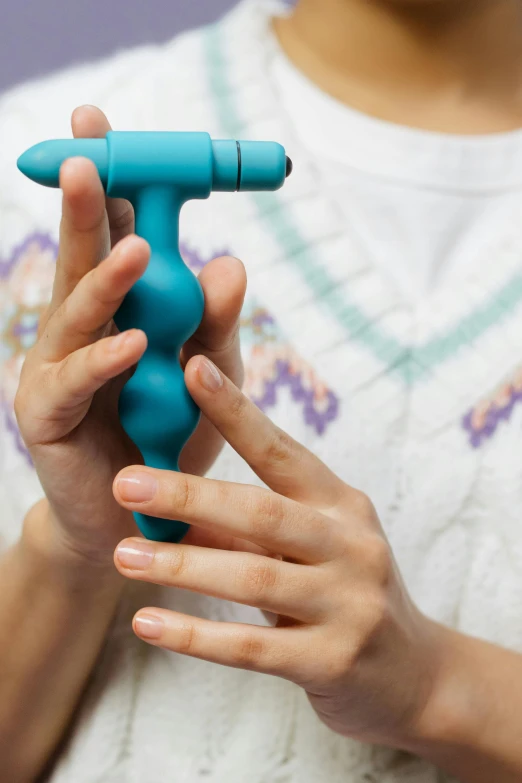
(40, 163)
(289, 166)
(24, 163)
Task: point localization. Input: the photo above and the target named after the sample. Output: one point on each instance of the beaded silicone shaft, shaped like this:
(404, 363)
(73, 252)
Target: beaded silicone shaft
(158, 172)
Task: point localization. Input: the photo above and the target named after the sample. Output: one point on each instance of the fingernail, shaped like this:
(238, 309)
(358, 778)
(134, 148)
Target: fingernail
(118, 342)
(137, 487)
(149, 626)
(137, 555)
(209, 375)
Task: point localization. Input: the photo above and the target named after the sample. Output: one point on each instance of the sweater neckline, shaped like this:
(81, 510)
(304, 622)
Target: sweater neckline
(427, 159)
(338, 309)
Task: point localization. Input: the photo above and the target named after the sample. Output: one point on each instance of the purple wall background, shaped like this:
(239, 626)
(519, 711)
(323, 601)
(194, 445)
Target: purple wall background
(39, 36)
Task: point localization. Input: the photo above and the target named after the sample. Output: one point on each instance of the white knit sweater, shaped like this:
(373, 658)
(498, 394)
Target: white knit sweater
(416, 405)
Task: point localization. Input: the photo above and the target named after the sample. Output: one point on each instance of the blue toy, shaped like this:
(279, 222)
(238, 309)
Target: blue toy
(158, 172)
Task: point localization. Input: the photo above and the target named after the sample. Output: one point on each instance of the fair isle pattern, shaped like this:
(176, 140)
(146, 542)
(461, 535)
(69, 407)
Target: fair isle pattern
(411, 364)
(26, 280)
(483, 420)
(273, 364)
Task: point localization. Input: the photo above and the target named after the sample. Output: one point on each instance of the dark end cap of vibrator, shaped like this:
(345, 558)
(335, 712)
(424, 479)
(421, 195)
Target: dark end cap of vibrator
(289, 166)
(261, 165)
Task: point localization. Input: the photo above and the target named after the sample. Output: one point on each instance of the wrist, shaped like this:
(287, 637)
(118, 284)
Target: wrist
(42, 543)
(452, 716)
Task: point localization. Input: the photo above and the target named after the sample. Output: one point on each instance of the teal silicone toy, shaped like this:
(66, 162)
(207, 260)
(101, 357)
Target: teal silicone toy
(159, 172)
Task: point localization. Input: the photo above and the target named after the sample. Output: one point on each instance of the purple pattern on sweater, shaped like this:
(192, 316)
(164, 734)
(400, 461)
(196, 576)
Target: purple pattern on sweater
(261, 318)
(43, 240)
(283, 377)
(280, 377)
(492, 419)
(194, 260)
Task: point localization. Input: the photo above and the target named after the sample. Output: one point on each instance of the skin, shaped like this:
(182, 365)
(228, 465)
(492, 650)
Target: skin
(452, 66)
(61, 586)
(373, 666)
(346, 630)
(309, 549)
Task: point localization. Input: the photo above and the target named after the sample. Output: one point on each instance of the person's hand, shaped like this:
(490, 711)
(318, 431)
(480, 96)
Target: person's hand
(309, 549)
(67, 400)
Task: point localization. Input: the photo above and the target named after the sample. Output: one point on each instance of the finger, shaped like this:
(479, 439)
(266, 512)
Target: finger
(83, 372)
(69, 389)
(223, 281)
(276, 651)
(94, 301)
(84, 232)
(266, 518)
(281, 462)
(89, 122)
(271, 585)
(215, 539)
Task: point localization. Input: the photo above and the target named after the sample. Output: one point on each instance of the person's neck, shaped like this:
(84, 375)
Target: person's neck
(451, 66)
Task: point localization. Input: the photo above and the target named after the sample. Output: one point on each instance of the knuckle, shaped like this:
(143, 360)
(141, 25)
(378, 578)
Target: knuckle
(376, 617)
(61, 373)
(341, 662)
(258, 579)
(280, 448)
(45, 380)
(95, 362)
(377, 557)
(266, 514)
(123, 220)
(66, 316)
(247, 651)
(185, 493)
(95, 282)
(187, 636)
(344, 545)
(363, 506)
(76, 314)
(99, 287)
(177, 564)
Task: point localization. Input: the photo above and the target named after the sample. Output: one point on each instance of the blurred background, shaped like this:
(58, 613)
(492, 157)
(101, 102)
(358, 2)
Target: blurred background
(39, 36)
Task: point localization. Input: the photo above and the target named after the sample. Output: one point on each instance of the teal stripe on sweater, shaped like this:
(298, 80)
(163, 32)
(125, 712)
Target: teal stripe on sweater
(411, 363)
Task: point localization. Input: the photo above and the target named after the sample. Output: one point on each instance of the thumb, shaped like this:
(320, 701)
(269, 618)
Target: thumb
(223, 281)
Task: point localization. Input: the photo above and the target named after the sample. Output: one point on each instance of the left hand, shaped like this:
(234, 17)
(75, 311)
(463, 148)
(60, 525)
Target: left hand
(310, 549)
(67, 399)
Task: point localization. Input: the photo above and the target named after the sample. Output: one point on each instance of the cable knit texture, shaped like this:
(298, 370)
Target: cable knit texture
(413, 403)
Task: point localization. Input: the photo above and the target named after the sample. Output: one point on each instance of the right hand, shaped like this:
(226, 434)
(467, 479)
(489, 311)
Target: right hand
(67, 400)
